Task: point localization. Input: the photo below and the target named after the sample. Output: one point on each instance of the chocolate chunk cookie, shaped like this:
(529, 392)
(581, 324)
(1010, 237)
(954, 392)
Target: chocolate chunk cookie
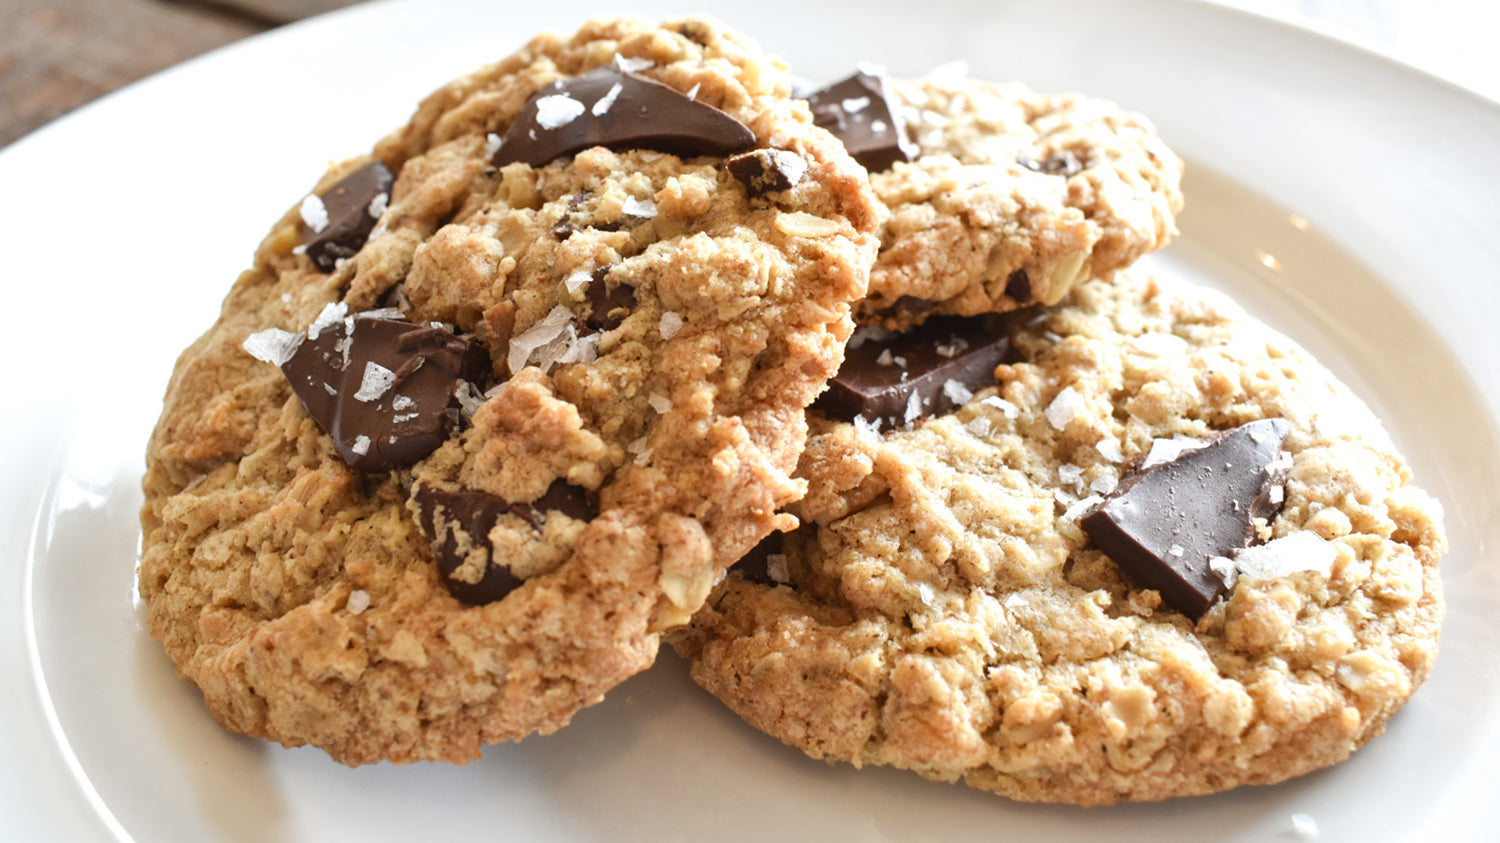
(497, 404)
(1159, 551)
(999, 197)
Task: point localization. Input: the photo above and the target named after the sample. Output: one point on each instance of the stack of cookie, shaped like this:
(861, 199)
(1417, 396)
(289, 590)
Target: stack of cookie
(628, 339)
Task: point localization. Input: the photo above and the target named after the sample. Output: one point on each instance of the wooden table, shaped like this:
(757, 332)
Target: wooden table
(56, 55)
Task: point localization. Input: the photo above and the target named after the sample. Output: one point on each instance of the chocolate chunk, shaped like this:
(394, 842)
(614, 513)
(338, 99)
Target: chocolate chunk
(383, 391)
(349, 211)
(858, 112)
(1163, 524)
(608, 306)
(610, 107)
(764, 171)
(1018, 287)
(458, 524)
(901, 378)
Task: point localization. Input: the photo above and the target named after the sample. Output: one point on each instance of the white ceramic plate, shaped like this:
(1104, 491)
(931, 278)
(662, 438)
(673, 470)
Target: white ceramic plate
(1344, 198)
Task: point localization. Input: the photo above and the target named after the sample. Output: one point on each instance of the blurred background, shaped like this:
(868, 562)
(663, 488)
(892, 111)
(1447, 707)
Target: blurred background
(56, 55)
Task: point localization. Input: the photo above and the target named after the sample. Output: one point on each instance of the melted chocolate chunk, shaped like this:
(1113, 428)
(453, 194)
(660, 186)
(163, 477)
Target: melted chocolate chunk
(1163, 525)
(906, 377)
(458, 524)
(610, 107)
(858, 112)
(383, 391)
(352, 206)
(608, 306)
(764, 171)
(1018, 287)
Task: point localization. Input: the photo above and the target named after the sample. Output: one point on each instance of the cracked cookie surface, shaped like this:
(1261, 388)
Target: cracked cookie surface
(1013, 197)
(942, 611)
(649, 328)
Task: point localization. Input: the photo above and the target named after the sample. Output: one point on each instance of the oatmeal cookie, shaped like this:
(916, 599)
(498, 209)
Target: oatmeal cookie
(1158, 551)
(999, 197)
(498, 403)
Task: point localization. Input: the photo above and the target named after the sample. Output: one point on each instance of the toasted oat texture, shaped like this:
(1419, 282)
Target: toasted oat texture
(302, 596)
(1015, 197)
(943, 612)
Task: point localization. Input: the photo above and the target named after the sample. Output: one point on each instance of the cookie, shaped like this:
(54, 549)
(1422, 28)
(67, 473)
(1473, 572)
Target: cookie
(999, 197)
(1159, 551)
(499, 402)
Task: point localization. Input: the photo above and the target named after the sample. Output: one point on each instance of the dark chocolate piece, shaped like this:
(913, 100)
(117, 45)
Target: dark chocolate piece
(1163, 525)
(610, 107)
(858, 112)
(880, 379)
(458, 524)
(764, 171)
(352, 210)
(608, 306)
(1018, 287)
(383, 391)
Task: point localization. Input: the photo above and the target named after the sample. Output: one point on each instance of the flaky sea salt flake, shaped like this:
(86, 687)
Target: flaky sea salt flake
(1006, 408)
(331, 315)
(1110, 450)
(556, 110)
(640, 208)
(361, 445)
(633, 65)
(358, 602)
(957, 392)
(670, 324)
(272, 345)
(605, 102)
(1304, 827)
(1287, 555)
(1077, 510)
(546, 330)
(314, 213)
(660, 403)
(376, 381)
(1064, 408)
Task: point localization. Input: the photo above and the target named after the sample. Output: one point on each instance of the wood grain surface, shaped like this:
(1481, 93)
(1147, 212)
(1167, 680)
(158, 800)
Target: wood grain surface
(56, 55)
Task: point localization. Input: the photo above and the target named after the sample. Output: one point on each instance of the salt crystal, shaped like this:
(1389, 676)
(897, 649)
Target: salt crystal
(491, 145)
(361, 445)
(630, 65)
(692, 93)
(1014, 600)
(637, 446)
(900, 362)
(869, 333)
(885, 358)
(669, 325)
(332, 314)
(314, 213)
(1006, 408)
(777, 569)
(359, 601)
(1287, 555)
(376, 381)
(1166, 450)
(1304, 826)
(469, 399)
(603, 105)
(642, 208)
(952, 349)
(299, 249)
(1277, 495)
(866, 428)
(272, 345)
(1083, 505)
(1110, 450)
(546, 330)
(402, 403)
(286, 298)
(957, 392)
(913, 408)
(577, 280)
(1064, 408)
(377, 206)
(1175, 550)
(555, 110)
(855, 105)
(1070, 474)
(979, 426)
(1103, 484)
(1223, 568)
(926, 594)
(659, 403)
(1283, 462)
(878, 127)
